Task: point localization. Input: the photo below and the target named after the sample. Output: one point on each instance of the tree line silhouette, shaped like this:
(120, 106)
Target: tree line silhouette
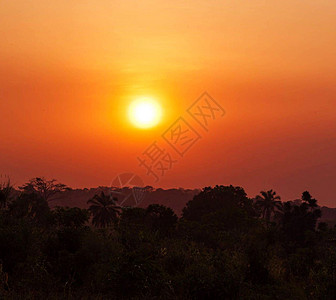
(225, 245)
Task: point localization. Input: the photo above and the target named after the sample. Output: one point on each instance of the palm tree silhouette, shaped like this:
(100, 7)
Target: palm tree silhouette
(268, 202)
(104, 210)
(309, 200)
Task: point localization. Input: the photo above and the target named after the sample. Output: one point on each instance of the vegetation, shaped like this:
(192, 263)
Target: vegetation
(46, 189)
(103, 209)
(224, 246)
(268, 202)
(5, 193)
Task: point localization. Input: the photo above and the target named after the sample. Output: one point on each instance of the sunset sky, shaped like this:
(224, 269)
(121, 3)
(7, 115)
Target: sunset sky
(70, 69)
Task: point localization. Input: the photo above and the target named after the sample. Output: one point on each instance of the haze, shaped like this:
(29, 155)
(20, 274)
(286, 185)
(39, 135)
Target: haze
(69, 69)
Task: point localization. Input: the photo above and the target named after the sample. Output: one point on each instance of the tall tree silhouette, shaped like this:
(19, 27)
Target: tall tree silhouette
(311, 202)
(268, 202)
(210, 200)
(297, 220)
(103, 209)
(45, 188)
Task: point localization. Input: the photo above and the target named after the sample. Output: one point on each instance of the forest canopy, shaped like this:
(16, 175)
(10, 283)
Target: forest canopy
(225, 245)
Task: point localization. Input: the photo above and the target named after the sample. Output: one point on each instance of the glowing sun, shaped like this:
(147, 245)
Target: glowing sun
(144, 112)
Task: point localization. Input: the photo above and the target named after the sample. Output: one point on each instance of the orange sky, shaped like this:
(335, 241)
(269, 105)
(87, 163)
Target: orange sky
(69, 69)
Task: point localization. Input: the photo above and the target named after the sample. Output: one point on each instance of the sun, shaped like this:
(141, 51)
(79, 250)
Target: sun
(145, 112)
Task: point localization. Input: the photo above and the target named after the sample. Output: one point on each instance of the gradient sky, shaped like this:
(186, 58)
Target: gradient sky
(69, 69)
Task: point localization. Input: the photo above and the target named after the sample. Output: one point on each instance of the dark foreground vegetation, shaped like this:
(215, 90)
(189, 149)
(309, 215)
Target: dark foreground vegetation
(224, 246)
